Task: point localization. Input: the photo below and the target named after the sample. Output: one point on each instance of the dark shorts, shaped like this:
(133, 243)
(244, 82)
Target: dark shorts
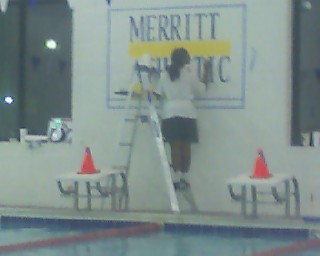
(180, 129)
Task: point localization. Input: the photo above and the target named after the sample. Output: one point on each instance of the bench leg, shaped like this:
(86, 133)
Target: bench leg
(243, 199)
(113, 192)
(88, 186)
(76, 196)
(240, 197)
(254, 202)
(287, 198)
(296, 194)
(124, 194)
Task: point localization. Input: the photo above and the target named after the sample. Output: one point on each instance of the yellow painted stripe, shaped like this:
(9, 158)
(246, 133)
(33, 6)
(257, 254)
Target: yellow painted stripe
(195, 48)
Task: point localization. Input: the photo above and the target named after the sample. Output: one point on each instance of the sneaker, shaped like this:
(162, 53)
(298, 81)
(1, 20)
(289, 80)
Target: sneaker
(176, 185)
(184, 184)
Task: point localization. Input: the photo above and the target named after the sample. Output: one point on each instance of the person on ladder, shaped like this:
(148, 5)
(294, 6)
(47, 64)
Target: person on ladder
(177, 89)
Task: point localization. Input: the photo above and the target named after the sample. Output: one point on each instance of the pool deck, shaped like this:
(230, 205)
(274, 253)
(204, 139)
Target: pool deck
(205, 219)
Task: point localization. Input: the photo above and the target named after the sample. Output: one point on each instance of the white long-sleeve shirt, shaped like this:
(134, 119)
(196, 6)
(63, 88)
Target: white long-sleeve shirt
(178, 95)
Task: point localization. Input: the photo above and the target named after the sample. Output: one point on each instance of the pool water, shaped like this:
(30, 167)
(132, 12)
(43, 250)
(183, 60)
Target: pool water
(19, 230)
(164, 243)
(305, 253)
(13, 236)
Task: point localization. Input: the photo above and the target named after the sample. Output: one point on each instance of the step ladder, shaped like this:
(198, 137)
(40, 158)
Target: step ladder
(135, 98)
(146, 77)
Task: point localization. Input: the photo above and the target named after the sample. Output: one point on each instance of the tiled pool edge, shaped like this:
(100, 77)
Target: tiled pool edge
(161, 217)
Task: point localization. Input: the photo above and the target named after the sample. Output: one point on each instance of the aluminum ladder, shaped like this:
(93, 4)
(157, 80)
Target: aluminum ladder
(146, 76)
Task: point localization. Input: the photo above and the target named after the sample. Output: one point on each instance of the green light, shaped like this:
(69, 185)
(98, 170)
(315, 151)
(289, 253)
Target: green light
(57, 120)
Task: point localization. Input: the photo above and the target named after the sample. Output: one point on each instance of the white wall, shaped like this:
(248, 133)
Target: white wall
(228, 137)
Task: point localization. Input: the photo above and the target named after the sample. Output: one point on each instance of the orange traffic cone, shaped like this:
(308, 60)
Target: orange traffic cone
(260, 168)
(87, 164)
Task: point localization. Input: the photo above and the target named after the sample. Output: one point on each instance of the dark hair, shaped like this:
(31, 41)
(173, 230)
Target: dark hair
(179, 58)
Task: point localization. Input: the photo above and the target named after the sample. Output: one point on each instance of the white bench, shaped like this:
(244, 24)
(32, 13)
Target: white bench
(33, 140)
(103, 182)
(244, 182)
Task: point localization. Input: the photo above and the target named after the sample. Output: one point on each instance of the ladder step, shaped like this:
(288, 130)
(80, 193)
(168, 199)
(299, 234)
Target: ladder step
(125, 144)
(131, 119)
(120, 167)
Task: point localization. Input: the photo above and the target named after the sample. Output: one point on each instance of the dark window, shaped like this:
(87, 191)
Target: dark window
(36, 75)
(306, 73)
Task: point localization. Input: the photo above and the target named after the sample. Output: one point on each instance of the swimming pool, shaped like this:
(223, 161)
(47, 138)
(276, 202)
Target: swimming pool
(163, 243)
(168, 240)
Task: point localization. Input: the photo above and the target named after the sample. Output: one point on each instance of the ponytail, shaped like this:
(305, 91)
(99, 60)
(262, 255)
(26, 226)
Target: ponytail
(179, 58)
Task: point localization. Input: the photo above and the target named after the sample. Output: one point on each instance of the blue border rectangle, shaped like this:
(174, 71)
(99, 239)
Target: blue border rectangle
(239, 102)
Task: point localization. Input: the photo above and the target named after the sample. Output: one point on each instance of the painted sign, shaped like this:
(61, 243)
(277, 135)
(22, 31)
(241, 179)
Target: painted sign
(215, 32)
